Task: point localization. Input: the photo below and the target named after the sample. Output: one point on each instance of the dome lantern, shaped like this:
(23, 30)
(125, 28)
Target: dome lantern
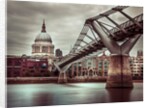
(43, 27)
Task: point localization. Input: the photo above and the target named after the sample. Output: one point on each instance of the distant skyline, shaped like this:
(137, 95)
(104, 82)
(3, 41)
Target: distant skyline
(64, 22)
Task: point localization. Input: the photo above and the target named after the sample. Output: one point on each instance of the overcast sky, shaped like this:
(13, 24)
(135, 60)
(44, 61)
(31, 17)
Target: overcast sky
(64, 22)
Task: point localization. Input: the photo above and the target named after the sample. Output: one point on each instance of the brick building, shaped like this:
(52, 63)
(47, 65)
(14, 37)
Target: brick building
(27, 67)
(99, 65)
(92, 66)
(136, 64)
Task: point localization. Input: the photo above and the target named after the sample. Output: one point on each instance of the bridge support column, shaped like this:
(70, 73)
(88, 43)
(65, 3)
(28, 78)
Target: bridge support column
(82, 68)
(62, 77)
(103, 68)
(77, 70)
(72, 70)
(119, 72)
(96, 69)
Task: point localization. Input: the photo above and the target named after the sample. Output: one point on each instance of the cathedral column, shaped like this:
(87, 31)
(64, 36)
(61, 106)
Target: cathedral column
(49, 49)
(40, 49)
(96, 65)
(82, 68)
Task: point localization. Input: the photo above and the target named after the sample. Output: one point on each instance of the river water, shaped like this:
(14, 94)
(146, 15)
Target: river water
(23, 95)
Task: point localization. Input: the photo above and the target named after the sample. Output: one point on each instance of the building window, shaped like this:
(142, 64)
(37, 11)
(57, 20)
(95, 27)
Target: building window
(100, 66)
(37, 49)
(100, 63)
(44, 65)
(32, 71)
(45, 49)
(17, 63)
(9, 62)
(105, 73)
(89, 63)
(42, 71)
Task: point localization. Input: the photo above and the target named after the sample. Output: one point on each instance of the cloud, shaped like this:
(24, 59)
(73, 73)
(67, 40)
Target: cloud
(64, 22)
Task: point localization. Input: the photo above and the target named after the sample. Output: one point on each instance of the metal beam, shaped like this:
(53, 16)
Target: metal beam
(93, 33)
(90, 37)
(128, 44)
(109, 43)
(117, 25)
(109, 12)
(106, 29)
(87, 43)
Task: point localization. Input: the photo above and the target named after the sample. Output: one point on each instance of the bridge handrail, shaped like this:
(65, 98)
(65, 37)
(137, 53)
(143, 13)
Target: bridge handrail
(109, 12)
(77, 51)
(84, 30)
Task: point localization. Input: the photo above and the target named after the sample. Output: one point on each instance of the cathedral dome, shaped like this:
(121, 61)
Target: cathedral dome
(42, 46)
(43, 36)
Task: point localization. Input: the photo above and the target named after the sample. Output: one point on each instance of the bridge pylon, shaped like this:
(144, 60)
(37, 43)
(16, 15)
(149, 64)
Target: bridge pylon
(108, 33)
(62, 78)
(119, 72)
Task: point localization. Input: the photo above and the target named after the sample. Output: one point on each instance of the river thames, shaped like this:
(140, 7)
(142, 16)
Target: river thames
(24, 95)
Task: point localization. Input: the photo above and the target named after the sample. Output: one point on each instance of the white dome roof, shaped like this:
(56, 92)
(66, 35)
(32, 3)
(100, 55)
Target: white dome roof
(43, 37)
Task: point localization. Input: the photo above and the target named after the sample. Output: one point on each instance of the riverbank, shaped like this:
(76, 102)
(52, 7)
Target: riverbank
(38, 80)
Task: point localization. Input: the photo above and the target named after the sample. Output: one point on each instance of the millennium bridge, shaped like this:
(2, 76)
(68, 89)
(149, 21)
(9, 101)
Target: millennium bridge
(119, 39)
